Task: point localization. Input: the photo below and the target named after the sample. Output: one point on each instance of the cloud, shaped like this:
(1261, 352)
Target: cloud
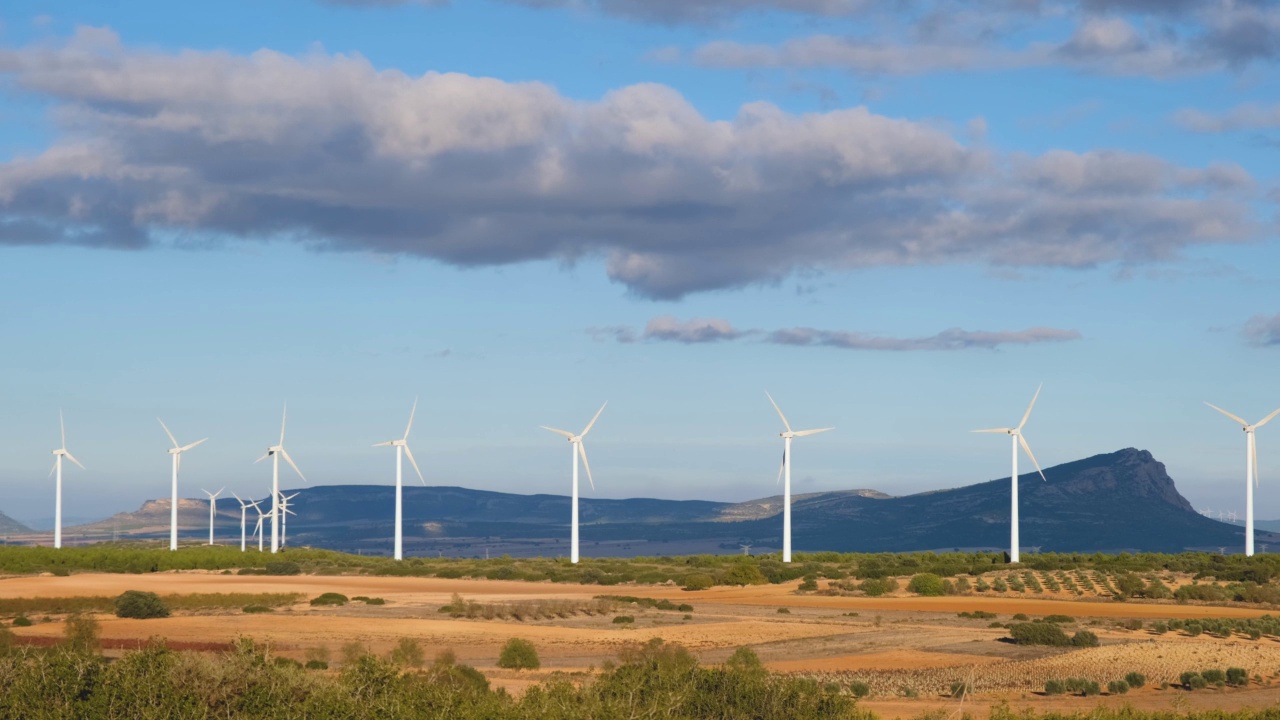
(335, 154)
(1263, 330)
(1242, 117)
(666, 328)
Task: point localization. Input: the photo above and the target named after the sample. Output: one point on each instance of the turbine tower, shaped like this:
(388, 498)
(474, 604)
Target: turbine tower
(176, 451)
(213, 509)
(244, 508)
(275, 452)
(1017, 438)
(285, 512)
(57, 468)
(1250, 471)
(785, 470)
(257, 529)
(579, 450)
(402, 449)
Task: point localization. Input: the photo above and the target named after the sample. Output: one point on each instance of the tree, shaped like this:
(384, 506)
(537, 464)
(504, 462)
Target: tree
(698, 581)
(82, 633)
(519, 654)
(927, 584)
(408, 653)
(140, 605)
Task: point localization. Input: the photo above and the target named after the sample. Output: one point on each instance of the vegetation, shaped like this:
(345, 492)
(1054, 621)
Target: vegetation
(1038, 633)
(1135, 679)
(623, 619)
(460, 607)
(977, 615)
(519, 654)
(194, 601)
(408, 653)
(140, 605)
(330, 598)
(927, 584)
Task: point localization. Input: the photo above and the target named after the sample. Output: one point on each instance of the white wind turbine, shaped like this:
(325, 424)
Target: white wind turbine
(402, 448)
(1250, 471)
(274, 452)
(257, 529)
(244, 509)
(1017, 438)
(785, 470)
(176, 451)
(57, 468)
(285, 512)
(213, 509)
(579, 450)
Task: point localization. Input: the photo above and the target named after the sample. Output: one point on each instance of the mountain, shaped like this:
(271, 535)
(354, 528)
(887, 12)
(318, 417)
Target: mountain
(1121, 501)
(9, 526)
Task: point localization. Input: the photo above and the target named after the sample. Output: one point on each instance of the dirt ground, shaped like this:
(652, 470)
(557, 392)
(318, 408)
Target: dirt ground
(898, 645)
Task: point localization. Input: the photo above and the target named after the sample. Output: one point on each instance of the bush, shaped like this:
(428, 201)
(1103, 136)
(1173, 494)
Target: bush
(623, 620)
(330, 598)
(859, 689)
(1117, 687)
(1237, 677)
(927, 584)
(875, 587)
(684, 608)
(1214, 677)
(1036, 633)
(1084, 638)
(1054, 687)
(252, 609)
(1021, 616)
(316, 665)
(784, 611)
(140, 605)
(282, 567)
(1059, 619)
(82, 633)
(743, 574)
(809, 585)
(698, 581)
(1192, 681)
(977, 615)
(22, 621)
(959, 689)
(1135, 679)
(408, 653)
(1082, 686)
(519, 654)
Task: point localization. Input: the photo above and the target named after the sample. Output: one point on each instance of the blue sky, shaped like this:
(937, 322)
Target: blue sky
(899, 223)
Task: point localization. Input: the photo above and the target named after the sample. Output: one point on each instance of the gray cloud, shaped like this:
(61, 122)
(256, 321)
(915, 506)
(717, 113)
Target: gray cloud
(704, 330)
(1243, 117)
(328, 151)
(1263, 330)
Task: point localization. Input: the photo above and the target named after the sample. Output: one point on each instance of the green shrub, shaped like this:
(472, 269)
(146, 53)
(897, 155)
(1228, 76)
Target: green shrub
(809, 585)
(999, 585)
(684, 607)
(252, 609)
(1135, 679)
(743, 574)
(977, 615)
(1192, 680)
(1117, 687)
(1082, 686)
(623, 620)
(284, 662)
(959, 689)
(519, 654)
(140, 605)
(1036, 633)
(282, 567)
(408, 653)
(1237, 677)
(1214, 677)
(875, 587)
(316, 665)
(927, 584)
(1021, 616)
(330, 598)
(1058, 619)
(698, 581)
(22, 621)
(859, 689)
(1054, 687)
(784, 611)
(1084, 638)
(82, 634)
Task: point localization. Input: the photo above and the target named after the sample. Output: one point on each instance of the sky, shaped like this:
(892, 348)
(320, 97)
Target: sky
(897, 218)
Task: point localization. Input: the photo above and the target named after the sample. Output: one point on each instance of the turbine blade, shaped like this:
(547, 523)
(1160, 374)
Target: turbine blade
(1224, 412)
(388, 443)
(1266, 419)
(237, 497)
(264, 457)
(1027, 449)
(62, 423)
(289, 460)
(785, 424)
(73, 459)
(412, 412)
(284, 417)
(414, 463)
(194, 444)
(1033, 404)
(565, 433)
(53, 469)
(166, 432)
(781, 467)
(994, 430)
(593, 419)
(802, 433)
(582, 450)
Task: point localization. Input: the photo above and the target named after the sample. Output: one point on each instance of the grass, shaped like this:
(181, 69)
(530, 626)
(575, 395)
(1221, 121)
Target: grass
(102, 603)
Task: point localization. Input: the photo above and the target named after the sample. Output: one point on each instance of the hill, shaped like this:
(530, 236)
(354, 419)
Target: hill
(1121, 501)
(9, 526)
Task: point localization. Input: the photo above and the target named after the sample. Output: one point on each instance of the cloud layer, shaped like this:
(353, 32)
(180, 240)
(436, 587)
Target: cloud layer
(1263, 330)
(329, 151)
(666, 328)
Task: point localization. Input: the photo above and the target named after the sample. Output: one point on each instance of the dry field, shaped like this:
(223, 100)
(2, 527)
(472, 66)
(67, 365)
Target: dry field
(895, 644)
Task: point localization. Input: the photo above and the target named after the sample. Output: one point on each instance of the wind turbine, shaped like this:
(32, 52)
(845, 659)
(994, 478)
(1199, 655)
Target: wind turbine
(257, 529)
(786, 470)
(285, 512)
(579, 450)
(213, 509)
(1250, 471)
(176, 451)
(244, 508)
(57, 468)
(1016, 435)
(402, 448)
(274, 452)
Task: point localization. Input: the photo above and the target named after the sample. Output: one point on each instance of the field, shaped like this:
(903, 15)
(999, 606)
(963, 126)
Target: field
(909, 650)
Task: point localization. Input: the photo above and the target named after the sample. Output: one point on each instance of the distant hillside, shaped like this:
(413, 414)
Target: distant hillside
(1114, 502)
(9, 526)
